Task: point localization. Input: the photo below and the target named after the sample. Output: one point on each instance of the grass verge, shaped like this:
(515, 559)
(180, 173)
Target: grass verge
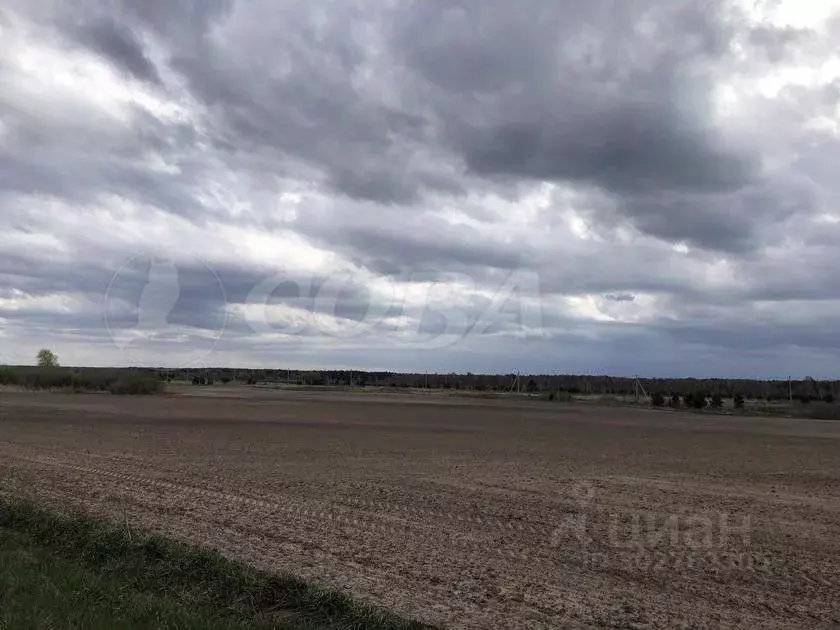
(73, 571)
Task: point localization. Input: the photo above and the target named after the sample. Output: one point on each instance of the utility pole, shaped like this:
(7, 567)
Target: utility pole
(642, 388)
(790, 391)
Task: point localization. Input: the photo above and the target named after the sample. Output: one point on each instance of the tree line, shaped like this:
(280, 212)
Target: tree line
(660, 391)
(668, 388)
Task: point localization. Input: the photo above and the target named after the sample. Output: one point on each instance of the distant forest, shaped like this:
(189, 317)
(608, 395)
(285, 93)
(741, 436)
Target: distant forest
(148, 380)
(803, 390)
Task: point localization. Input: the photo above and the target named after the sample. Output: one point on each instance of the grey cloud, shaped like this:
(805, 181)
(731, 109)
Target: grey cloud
(572, 91)
(303, 88)
(78, 154)
(391, 114)
(118, 43)
(180, 20)
(85, 181)
(575, 92)
(729, 221)
(410, 242)
(745, 335)
(37, 274)
(776, 43)
(558, 91)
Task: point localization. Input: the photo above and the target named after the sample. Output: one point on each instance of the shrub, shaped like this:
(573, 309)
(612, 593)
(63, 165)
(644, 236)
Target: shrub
(697, 401)
(828, 398)
(136, 386)
(47, 378)
(657, 399)
(116, 381)
(674, 401)
(559, 396)
(8, 376)
(738, 401)
(94, 380)
(79, 383)
(717, 401)
(823, 411)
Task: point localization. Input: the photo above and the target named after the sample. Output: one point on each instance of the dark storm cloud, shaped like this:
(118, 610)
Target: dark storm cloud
(391, 104)
(574, 91)
(120, 45)
(729, 221)
(285, 82)
(617, 96)
(614, 96)
(36, 274)
(315, 115)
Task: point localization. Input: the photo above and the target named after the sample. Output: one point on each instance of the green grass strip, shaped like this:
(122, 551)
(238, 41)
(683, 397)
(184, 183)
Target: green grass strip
(74, 571)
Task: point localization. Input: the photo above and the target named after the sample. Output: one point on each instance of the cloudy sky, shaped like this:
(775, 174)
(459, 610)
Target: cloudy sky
(455, 185)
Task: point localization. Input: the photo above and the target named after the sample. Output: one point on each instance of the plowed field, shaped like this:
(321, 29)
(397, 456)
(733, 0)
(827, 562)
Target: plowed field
(464, 513)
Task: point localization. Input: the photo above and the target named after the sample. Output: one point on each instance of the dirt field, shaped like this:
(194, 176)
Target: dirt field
(464, 513)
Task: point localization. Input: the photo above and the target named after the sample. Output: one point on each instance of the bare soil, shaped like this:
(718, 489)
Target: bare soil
(463, 513)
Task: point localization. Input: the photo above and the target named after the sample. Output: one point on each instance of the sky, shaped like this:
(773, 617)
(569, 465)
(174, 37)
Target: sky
(546, 186)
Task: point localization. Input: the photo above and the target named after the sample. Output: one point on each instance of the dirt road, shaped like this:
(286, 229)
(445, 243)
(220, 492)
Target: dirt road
(466, 514)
